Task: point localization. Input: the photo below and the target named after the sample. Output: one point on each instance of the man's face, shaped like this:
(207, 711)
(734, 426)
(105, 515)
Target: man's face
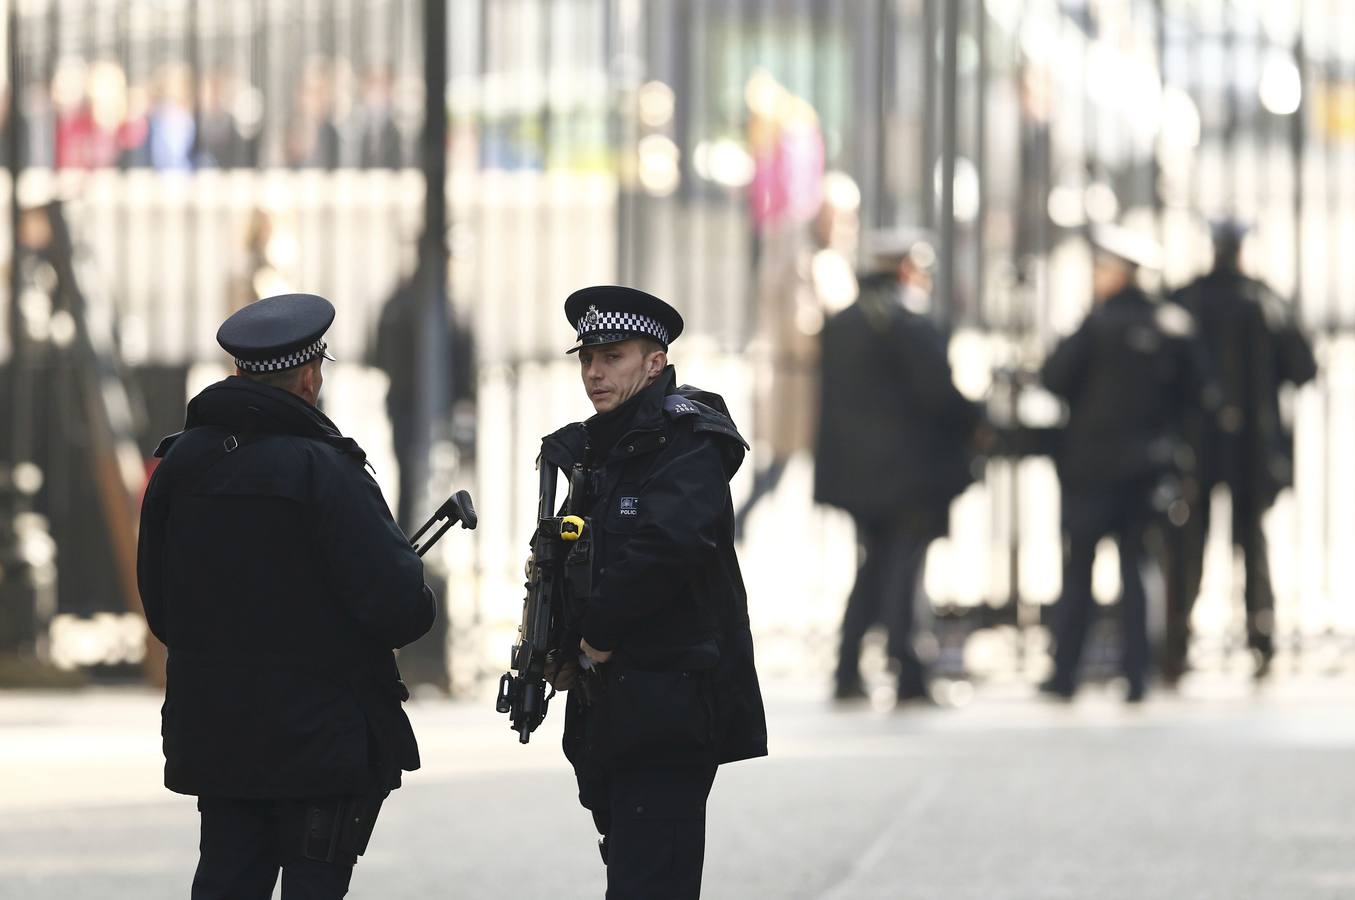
(1110, 275)
(613, 373)
(914, 276)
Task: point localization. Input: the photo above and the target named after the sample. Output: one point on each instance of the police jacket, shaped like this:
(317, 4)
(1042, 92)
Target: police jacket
(893, 431)
(1129, 374)
(1253, 347)
(270, 567)
(668, 598)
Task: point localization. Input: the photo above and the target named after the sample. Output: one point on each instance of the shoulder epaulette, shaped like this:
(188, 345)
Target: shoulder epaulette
(678, 406)
(165, 443)
(703, 417)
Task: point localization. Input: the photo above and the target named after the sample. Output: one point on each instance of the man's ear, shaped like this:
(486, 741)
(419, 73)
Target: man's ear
(305, 383)
(658, 361)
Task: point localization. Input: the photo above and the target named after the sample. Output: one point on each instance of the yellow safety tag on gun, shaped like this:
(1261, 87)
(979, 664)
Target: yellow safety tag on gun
(571, 528)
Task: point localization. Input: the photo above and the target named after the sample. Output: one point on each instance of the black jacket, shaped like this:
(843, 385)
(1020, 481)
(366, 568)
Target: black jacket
(1130, 374)
(668, 596)
(280, 584)
(893, 430)
(1253, 347)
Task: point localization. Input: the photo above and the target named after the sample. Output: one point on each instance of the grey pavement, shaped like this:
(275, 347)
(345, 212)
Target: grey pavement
(1218, 792)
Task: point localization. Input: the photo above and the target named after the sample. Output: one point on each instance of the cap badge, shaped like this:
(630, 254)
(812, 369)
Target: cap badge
(590, 320)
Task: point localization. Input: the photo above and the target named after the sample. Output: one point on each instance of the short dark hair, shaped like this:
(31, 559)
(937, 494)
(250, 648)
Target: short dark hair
(649, 345)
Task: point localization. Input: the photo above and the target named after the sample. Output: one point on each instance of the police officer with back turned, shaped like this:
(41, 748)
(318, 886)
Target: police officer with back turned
(895, 447)
(1130, 375)
(674, 692)
(271, 568)
(1254, 347)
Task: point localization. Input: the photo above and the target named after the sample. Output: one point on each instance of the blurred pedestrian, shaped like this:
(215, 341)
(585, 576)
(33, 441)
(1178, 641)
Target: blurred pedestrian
(1254, 347)
(666, 625)
(172, 130)
(1128, 374)
(894, 449)
(313, 136)
(80, 140)
(804, 274)
(270, 567)
(222, 139)
(268, 265)
(378, 139)
(392, 351)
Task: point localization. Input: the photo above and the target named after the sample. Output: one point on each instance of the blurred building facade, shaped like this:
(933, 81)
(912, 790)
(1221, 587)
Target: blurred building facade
(207, 154)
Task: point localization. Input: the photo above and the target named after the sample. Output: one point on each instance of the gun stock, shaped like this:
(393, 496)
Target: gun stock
(457, 508)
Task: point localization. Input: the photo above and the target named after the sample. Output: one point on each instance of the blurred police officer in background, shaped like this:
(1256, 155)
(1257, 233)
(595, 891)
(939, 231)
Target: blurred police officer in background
(1254, 347)
(667, 623)
(1130, 374)
(894, 448)
(270, 567)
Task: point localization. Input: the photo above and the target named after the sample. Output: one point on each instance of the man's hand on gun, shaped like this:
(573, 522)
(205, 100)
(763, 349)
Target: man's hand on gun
(561, 674)
(597, 656)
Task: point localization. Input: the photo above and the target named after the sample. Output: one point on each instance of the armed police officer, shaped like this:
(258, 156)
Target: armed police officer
(673, 691)
(1129, 375)
(1254, 348)
(270, 566)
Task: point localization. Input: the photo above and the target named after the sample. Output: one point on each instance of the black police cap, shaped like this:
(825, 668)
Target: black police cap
(277, 333)
(607, 313)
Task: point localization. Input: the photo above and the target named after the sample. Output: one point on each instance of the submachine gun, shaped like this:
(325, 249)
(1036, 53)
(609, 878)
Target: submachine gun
(559, 582)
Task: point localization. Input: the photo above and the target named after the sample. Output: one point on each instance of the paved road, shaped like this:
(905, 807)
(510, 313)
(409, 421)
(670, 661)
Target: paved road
(1214, 793)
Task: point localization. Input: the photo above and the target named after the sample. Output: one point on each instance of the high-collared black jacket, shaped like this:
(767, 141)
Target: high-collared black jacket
(1253, 346)
(1131, 374)
(280, 584)
(668, 596)
(894, 432)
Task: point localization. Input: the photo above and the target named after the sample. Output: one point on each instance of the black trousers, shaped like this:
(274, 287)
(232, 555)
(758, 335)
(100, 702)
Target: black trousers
(654, 820)
(246, 842)
(893, 554)
(1258, 596)
(1121, 512)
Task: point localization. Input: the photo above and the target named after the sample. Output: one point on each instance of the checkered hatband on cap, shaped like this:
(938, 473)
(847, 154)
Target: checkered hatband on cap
(289, 361)
(594, 322)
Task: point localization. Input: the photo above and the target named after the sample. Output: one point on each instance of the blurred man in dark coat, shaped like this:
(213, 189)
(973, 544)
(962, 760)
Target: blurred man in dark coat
(893, 449)
(666, 628)
(393, 351)
(1254, 347)
(1129, 375)
(270, 567)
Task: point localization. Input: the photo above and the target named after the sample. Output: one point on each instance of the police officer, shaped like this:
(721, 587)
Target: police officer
(270, 567)
(674, 692)
(894, 448)
(1254, 347)
(1128, 375)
